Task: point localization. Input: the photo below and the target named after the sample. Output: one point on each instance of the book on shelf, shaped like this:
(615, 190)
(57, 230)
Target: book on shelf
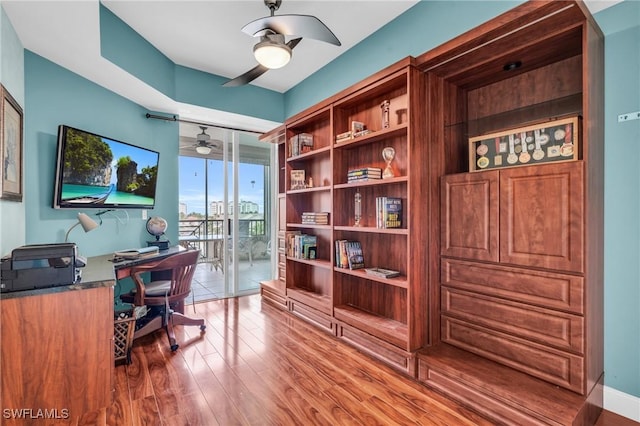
(297, 180)
(342, 260)
(388, 212)
(382, 272)
(315, 218)
(361, 133)
(349, 254)
(300, 144)
(289, 237)
(343, 137)
(364, 173)
(302, 246)
(354, 255)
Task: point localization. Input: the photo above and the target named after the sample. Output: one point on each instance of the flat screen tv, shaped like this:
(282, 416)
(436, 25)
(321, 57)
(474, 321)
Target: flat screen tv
(94, 171)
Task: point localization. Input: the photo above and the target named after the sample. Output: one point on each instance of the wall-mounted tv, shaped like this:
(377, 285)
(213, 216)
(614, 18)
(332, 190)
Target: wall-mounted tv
(94, 171)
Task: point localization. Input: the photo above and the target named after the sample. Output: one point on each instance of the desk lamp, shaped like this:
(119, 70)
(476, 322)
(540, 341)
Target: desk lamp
(87, 223)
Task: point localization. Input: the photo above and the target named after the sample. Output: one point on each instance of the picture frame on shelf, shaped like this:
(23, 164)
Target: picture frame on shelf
(11, 147)
(548, 142)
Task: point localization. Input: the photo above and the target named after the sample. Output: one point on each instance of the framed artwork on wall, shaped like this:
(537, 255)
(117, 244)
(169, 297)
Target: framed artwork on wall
(11, 142)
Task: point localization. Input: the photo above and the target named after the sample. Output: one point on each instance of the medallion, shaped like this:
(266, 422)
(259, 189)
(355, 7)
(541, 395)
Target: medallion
(524, 156)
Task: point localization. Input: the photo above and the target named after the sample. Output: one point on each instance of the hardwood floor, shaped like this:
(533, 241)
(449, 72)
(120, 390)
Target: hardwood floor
(257, 365)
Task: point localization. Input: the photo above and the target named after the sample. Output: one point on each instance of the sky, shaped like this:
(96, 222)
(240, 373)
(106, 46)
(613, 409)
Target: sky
(191, 185)
(143, 157)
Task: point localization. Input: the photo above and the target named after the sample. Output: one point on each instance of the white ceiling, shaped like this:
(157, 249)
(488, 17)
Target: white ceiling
(204, 35)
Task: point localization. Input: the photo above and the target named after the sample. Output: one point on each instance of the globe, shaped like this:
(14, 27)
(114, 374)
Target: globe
(156, 226)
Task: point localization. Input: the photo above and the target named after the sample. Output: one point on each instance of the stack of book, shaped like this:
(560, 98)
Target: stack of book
(364, 173)
(300, 143)
(343, 137)
(361, 133)
(382, 272)
(315, 218)
(349, 254)
(301, 246)
(388, 212)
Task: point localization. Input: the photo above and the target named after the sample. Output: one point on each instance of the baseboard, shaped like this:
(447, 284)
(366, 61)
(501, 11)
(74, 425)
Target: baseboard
(622, 403)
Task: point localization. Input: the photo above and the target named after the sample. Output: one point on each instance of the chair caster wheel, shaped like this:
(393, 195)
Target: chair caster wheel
(174, 348)
(203, 327)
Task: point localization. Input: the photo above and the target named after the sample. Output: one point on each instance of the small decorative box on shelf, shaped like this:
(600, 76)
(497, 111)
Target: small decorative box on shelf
(551, 141)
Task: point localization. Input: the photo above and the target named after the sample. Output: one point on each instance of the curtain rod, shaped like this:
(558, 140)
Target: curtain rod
(181, 120)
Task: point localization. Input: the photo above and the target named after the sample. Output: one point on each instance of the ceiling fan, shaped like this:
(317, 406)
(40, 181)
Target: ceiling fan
(204, 144)
(271, 51)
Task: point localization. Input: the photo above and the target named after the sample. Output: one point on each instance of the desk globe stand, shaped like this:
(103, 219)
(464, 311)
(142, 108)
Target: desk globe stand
(157, 226)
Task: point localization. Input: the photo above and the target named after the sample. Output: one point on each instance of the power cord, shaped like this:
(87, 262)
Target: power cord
(120, 220)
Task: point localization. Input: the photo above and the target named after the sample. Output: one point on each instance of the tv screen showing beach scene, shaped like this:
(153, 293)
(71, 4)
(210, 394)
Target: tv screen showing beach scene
(94, 171)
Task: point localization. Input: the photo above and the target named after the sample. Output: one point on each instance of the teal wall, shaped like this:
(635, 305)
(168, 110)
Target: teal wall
(12, 224)
(426, 25)
(120, 44)
(58, 96)
(621, 25)
(55, 95)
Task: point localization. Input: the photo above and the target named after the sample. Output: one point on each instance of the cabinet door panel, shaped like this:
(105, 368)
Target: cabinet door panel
(541, 288)
(469, 215)
(555, 366)
(546, 326)
(542, 216)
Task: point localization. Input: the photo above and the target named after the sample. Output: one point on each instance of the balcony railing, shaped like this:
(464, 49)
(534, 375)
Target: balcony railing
(199, 228)
(196, 233)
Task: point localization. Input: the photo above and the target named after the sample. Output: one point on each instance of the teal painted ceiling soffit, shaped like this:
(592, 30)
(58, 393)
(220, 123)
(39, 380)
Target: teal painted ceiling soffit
(124, 47)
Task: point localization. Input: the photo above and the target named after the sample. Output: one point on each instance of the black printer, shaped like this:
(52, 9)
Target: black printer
(40, 266)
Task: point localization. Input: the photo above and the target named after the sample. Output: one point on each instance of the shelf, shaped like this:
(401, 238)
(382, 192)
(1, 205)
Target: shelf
(308, 226)
(310, 154)
(372, 137)
(386, 329)
(307, 190)
(320, 263)
(372, 230)
(520, 117)
(373, 182)
(318, 301)
(400, 281)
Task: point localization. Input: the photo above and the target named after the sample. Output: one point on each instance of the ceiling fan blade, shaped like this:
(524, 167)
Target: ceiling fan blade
(300, 25)
(294, 42)
(247, 77)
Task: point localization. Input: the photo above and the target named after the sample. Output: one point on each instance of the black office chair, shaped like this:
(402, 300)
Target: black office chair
(165, 295)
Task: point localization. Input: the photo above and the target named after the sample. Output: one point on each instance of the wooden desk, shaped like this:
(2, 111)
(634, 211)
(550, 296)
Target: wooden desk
(57, 347)
(56, 344)
(123, 269)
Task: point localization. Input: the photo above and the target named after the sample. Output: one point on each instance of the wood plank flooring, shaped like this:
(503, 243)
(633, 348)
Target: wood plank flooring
(258, 365)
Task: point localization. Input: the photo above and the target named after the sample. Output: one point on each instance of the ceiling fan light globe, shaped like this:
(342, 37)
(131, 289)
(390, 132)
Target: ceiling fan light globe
(203, 150)
(272, 55)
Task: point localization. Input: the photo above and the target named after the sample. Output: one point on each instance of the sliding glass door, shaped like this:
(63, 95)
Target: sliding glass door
(225, 210)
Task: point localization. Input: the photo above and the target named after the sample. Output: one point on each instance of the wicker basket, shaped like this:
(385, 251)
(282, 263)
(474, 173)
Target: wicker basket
(123, 325)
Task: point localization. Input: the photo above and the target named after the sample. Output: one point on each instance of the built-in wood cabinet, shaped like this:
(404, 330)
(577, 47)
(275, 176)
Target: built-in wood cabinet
(499, 299)
(529, 214)
(520, 283)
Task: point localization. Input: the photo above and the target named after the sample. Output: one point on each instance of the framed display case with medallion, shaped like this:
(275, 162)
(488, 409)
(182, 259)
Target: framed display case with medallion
(551, 141)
